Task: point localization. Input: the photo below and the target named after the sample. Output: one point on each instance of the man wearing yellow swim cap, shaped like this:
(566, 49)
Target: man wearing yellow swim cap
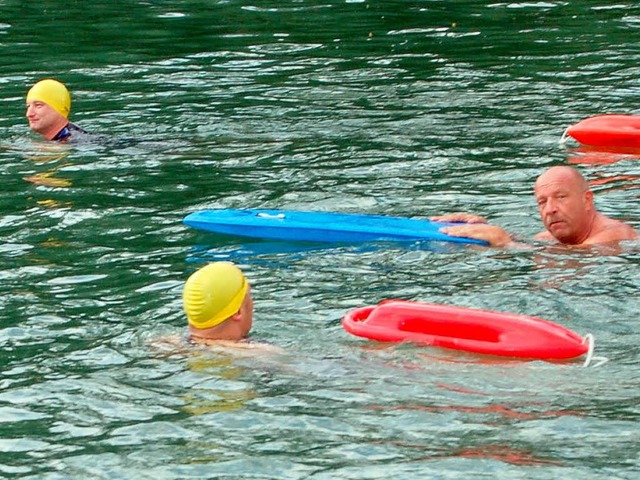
(48, 107)
(218, 303)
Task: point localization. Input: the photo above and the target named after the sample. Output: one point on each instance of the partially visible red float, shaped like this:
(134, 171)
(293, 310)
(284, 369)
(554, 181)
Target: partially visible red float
(467, 329)
(607, 131)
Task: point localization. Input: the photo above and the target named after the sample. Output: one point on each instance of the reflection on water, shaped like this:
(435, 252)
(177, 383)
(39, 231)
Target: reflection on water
(50, 177)
(584, 155)
(507, 454)
(220, 389)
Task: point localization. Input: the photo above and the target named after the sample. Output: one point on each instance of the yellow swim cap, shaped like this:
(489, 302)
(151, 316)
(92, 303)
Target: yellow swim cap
(213, 294)
(53, 93)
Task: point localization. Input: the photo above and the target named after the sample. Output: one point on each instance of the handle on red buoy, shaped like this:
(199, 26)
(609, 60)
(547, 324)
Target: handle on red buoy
(589, 338)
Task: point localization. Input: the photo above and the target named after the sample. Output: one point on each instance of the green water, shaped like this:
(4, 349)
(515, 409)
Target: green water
(389, 107)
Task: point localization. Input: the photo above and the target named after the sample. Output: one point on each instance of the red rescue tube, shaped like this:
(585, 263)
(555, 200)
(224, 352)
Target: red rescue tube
(466, 329)
(607, 131)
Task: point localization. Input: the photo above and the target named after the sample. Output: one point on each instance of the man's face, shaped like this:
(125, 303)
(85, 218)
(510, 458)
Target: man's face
(42, 117)
(565, 208)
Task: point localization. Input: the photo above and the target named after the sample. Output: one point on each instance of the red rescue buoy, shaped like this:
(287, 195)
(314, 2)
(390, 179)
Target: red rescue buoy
(607, 131)
(467, 329)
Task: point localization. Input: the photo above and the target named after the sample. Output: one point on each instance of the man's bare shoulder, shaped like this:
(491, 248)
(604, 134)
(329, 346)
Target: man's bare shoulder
(544, 237)
(179, 344)
(612, 231)
(242, 347)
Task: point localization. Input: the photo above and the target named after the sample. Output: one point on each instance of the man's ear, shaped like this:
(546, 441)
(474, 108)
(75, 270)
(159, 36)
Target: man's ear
(588, 196)
(236, 316)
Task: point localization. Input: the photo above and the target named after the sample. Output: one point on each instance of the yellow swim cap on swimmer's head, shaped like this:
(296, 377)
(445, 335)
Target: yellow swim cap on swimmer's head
(53, 93)
(213, 294)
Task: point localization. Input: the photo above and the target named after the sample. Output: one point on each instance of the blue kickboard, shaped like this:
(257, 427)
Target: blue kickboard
(320, 226)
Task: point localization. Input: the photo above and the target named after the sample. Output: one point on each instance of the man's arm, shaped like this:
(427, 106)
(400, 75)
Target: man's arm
(474, 226)
(459, 217)
(492, 234)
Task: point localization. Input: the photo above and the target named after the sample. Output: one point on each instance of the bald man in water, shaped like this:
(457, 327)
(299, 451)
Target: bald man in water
(566, 208)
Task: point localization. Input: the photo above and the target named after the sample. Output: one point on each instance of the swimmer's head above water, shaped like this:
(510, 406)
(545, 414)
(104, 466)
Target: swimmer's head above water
(218, 303)
(48, 108)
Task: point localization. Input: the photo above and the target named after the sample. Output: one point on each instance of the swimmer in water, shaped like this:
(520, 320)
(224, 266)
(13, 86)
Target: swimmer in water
(566, 208)
(219, 307)
(48, 107)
